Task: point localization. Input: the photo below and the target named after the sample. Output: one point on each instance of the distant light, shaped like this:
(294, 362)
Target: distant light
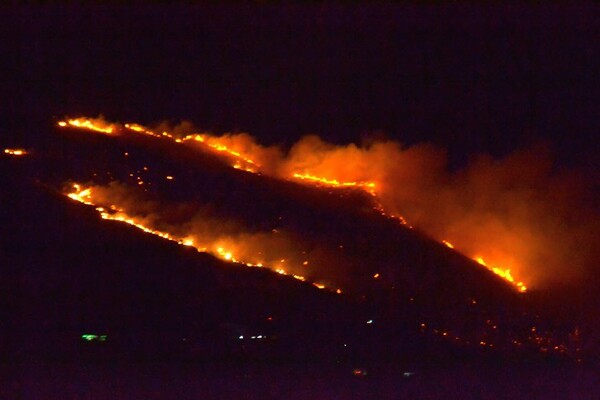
(241, 337)
(15, 152)
(370, 321)
(376, 276)
(90, 337)
(259, 337)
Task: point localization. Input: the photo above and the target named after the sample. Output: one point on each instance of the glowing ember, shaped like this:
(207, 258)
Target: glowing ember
(15, 152)
(141, 129)
(447, 243)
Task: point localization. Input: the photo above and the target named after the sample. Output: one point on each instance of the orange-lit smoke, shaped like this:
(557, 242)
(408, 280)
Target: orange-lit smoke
(529, 221)
(227, 240)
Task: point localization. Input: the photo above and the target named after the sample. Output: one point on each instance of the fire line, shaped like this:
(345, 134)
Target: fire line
(244, 162)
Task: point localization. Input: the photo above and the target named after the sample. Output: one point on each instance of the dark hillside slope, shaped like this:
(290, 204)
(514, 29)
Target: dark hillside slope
(70, 273)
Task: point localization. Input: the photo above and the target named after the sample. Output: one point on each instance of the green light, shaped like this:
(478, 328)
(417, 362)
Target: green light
(89, 337)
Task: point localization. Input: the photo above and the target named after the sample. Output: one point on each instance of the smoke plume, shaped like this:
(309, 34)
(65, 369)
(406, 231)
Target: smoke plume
(520, 212)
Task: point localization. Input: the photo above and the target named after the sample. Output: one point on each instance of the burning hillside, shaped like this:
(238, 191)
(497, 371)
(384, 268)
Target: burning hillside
(490, 227)
(306, 157)
(298, 216)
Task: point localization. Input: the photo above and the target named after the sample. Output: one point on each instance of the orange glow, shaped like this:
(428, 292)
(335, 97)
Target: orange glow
(241, 159)
(96, 125)
(141, 129)
(504, 274)
(85, 195)
(447, 243)
(367, 186)
(15, 152)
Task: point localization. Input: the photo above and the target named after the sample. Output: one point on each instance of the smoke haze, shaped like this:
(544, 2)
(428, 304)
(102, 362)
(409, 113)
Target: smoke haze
(520, 212)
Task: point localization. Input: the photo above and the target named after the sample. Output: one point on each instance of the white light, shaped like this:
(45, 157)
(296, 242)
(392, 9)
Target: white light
(260, 336)
(370, 321)
(241, 337)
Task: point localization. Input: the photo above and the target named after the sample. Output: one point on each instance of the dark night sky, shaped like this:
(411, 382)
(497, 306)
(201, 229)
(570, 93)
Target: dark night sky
(470, 79)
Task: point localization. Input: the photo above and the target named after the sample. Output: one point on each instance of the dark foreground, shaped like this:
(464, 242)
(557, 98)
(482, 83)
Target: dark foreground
(235, 380)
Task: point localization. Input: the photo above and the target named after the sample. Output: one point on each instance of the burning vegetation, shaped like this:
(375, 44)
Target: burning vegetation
(221, 243)
(314, 162)
(376, 173)
(15, 152)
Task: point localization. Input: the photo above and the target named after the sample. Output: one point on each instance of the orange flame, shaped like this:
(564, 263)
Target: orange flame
(85, 195)
(241, 161)
(96, 125)
(368, 186)
(504, 274)
(245, 162)
(15, 152)
(447, 243)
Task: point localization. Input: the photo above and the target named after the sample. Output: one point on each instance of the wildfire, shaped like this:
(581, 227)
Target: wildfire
(97, 125)
(141, 129)
(241, 161)
(85, 195)
(503, 273)
(15, 152)
(448, 244)
(367, 186)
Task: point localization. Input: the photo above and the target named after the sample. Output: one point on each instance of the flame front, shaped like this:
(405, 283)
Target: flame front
(96, 125)
(503, 273)
(85, 195)
(369, 187)
(240, 160)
